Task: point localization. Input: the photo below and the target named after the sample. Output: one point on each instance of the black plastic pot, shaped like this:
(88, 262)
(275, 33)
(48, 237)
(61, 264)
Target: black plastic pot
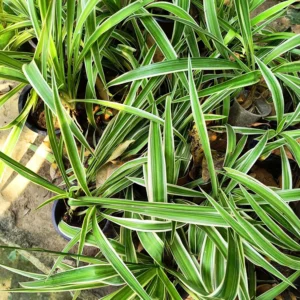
(164, 20)
(58, 211)
(239, 116)
(30, 123)
(166, 24)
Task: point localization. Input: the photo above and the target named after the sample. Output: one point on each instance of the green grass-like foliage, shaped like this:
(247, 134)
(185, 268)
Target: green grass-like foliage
(207, 240)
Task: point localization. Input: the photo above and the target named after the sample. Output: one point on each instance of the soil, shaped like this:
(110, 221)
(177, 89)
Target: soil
(110, 229)
(38, 118)
(73, 220)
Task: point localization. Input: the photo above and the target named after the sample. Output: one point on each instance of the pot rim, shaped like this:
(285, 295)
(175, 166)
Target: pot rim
(21, 103)
(248, 112)
(55, 222)
(164, 20)
(56, 218)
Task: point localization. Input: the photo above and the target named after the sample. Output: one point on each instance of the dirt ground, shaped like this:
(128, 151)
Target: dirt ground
(21, 224)
(7, 280)
(19, 198)
(278, 25)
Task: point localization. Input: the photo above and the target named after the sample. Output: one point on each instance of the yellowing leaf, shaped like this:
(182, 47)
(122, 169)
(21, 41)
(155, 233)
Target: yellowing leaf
(120, 150)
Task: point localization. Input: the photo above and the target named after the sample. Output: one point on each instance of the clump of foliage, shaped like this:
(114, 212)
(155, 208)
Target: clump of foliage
(207, 232)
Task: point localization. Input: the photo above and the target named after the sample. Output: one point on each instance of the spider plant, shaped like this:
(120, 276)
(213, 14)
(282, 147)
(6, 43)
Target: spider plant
(58, 46)
(208, 240)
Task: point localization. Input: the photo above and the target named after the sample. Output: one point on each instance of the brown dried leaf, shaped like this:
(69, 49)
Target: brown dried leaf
(263, 288)
(263, 176)
(218, 145)
(197, 154)
(105, 172)
(120, 150)
(102, 91)
(196, 147)
(218, 141)
(140, 248)
(184, 180)
(158, 56)
(287, 151)
(292, 296)
(218, 159)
